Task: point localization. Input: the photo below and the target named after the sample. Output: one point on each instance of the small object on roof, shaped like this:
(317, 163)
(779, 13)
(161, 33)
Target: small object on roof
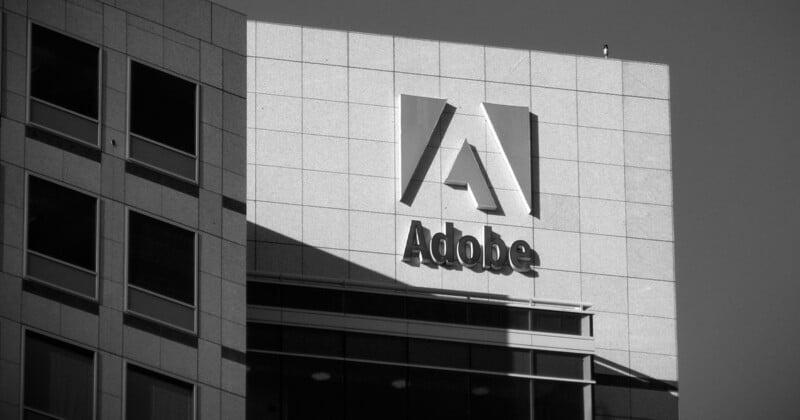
(605, 51)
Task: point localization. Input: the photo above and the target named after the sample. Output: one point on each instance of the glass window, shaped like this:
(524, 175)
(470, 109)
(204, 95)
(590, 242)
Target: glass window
(161, 270)
(312, 298)
(555, 322)
(496, 316)
(62, 236)
(374, 304)
(438, 353)
(313, 341)
(264, 336)
(437, 395)
(64, 84)
(557, 400)
(375, 392)
(59, 379)
(163, 120)
(500, 359)
(437, 310)
(263, 386)
(266, 294)
(312, 388)
(152, 396)
(376, 347)
(499, 397)
(559, 364)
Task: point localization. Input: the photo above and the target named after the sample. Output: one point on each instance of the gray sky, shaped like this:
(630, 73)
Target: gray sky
(735, 75)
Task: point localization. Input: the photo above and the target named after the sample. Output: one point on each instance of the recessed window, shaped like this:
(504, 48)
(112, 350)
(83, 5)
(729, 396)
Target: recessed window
(64, 85)
(161, 270)
(163, 121)
(59, 379)
(153, 396)
(62, 237)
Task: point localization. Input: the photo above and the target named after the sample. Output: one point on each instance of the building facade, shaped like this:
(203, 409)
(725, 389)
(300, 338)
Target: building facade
(395, 189)
(207, 217)
(123, 177)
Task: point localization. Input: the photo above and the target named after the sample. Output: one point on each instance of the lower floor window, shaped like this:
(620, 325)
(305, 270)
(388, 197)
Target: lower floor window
(299, 388)
(153, 396)
(59, 379)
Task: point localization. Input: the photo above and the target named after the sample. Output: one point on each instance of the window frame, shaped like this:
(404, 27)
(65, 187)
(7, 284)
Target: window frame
(95, 368)
(29, 97)
(197, 124)
(195, 274)
(126, 363)
(98, 214)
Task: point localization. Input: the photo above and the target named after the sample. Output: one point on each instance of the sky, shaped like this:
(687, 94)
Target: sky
(735, 91)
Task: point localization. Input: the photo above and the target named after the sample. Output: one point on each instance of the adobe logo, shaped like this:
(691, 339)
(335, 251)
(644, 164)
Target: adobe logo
(509, 126)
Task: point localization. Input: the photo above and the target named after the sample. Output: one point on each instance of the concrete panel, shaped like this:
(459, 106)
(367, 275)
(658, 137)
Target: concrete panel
(554, 105)
(427, 202)
(558, 177)
(279, 184)
(599, 75)
(603, 254)
(647, 115)
(508, 94)
(278, 148)
(557, 250)
(373, 194)
(605, 293)
(371, 122)
(416, 85)
(557, 212)
(611, 331)
(179, 359)
(371, 87)
(416, 56)
(464, 95)
(645, 79)
(278, 77)
(278, 41)
(79, 326)
(324, 82)
(649, 221)
(326, 228)
(325, 46)
(647, 150)
(664, 368)
(325, 118)
(371, 158)
(602, 181)
(228, 29)
(462, 61)
(325, 189)
(372, 267)
(560, 285)
(508, 66)
(279, 223)
(41, 313)
(325, 153)
(553, 70)
(603, 217)
(278, 113)
(469, 127)
(209, 355)
(653, 335)
(371, 51)
(141, 346)
(558, 141)
(651, 259)
(648, 186)
(601, 146)
(600, 110)
(651, 297)
(372, 232)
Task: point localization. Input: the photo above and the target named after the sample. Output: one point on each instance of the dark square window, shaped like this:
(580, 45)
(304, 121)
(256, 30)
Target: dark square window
(64, 84)
(559, 364)
(62, 236)
(59, 379)
(161, 267)
(438, 353)
(374, 304)
(152, 396)
(163, 108)
(497, 316)
(437, 310)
